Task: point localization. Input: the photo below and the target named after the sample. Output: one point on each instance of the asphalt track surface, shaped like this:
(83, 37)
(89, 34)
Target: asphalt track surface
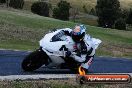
(10, 64)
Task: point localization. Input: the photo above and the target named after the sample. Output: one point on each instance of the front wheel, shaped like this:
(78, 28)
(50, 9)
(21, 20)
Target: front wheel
(34, 60)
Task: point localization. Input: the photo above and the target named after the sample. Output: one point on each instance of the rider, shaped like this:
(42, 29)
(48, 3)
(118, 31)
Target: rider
(83, 45)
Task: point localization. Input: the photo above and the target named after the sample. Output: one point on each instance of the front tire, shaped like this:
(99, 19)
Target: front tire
(34, 60)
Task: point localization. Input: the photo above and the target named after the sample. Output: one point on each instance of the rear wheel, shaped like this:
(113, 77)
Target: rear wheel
(34, 60)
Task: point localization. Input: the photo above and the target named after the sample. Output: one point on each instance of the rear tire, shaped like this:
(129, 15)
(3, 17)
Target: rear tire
(34, 60)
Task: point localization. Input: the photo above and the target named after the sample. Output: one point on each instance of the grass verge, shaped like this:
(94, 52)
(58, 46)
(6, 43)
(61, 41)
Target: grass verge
(70, 83)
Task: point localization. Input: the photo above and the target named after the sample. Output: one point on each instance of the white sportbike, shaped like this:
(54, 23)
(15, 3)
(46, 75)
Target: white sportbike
(52, 52)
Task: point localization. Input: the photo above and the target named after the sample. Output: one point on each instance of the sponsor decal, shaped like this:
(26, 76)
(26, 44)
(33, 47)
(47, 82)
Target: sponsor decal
(84, 78)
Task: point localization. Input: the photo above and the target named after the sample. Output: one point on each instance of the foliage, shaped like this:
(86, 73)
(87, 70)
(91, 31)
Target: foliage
(85, 9)
(62, 11)
(124, 13)
(41, 8)
(92, 12)
(120, 24)
(17, 4)
(129, 18)
(107, 12)
(2, 1)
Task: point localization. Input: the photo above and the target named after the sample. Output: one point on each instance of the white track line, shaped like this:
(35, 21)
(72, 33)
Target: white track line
(46, 76)
(39, 76)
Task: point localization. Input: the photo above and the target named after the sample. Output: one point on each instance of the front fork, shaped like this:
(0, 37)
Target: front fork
(46, 56)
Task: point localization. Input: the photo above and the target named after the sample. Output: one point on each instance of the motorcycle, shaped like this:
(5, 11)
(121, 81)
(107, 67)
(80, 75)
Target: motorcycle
(52, 52)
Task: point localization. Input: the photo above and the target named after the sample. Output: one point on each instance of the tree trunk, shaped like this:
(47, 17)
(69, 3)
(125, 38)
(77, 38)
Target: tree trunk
(7, 3)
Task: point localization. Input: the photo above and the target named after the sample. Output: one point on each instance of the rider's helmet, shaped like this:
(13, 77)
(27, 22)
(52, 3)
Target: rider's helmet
(78, 33)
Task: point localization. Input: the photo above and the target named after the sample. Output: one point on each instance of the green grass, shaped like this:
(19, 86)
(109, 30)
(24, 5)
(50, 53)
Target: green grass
(23, 30)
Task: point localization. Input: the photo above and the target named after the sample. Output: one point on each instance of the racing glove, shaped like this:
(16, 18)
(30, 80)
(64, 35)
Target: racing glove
(68, 53)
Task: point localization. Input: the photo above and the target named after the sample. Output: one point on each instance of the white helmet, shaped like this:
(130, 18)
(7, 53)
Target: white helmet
(78, 33)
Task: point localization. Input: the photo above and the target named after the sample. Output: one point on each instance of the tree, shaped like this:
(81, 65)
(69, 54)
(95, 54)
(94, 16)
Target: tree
(92, 12)
(7, 3)
(120, 24)
(62, 11)
(124, 13)
(108, 11)
(40, 8)
(2, 1)
(17, 4)
(85, 9)
(129, 18)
